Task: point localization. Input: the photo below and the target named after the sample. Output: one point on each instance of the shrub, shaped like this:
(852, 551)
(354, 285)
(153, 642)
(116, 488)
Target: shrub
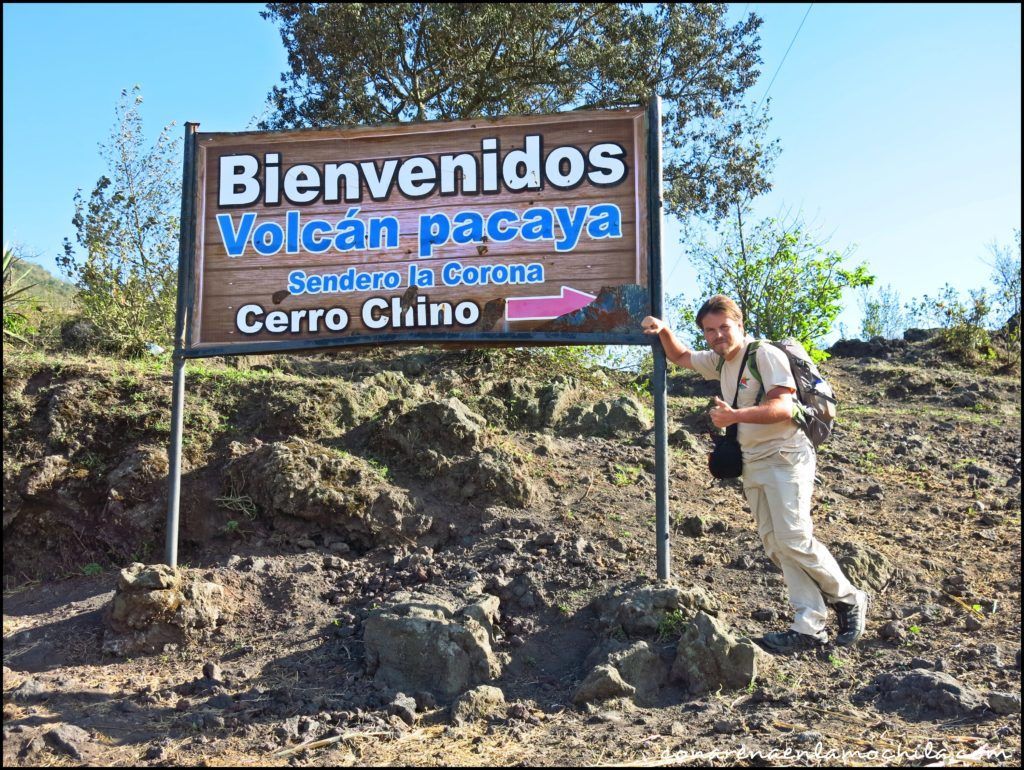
(129, 230)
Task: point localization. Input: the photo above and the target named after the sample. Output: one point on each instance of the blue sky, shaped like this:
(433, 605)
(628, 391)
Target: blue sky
(899, 125)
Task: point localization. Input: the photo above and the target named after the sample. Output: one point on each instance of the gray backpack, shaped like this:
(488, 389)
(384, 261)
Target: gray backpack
(815, 400)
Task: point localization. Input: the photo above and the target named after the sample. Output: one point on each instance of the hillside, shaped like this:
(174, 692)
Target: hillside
(46, 288)
(366, 536)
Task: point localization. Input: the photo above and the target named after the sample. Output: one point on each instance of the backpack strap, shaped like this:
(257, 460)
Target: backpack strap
(752, 360)
(751, 354)
(733, 430)
(739, 377)
(751, 363)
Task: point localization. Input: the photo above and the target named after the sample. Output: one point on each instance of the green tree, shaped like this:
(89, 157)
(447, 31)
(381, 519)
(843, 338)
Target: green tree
(1005, 266)
(882, 313)
(786, 283)
(373, 63)
(128, 229)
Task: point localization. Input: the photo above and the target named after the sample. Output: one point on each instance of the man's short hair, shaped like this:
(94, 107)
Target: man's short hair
(719, 304)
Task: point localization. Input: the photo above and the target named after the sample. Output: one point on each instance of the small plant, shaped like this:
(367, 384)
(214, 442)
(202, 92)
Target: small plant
(379, 468)
(92, 569)
(231, 527)
(240, 503)
(641, 389)
(835, 660)
(915, 630)
(671, 625)
(90, 460)
(565, 609)
(625, 475)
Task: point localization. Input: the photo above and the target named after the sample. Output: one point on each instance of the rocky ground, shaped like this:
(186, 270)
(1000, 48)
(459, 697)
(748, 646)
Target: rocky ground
(448, 558)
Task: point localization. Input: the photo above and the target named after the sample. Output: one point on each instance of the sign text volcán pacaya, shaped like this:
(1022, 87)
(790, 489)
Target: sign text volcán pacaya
(446, 227)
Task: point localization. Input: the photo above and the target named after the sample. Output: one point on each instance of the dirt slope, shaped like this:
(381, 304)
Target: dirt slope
(492, 471)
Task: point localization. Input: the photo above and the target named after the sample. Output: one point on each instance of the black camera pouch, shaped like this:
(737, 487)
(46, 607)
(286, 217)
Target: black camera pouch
(726, 460)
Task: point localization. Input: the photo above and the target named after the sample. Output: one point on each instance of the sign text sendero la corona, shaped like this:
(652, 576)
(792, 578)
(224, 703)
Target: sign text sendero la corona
(530, 224)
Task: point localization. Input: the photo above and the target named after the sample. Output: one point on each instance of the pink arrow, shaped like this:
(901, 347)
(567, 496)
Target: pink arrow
(543, 308)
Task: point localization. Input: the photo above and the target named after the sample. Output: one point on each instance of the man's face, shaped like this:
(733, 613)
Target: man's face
(723, 334)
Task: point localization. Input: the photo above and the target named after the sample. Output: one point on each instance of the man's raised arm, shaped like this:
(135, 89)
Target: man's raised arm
(675, 351)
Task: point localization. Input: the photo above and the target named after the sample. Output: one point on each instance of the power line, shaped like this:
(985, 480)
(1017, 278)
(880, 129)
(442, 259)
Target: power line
(795, 35)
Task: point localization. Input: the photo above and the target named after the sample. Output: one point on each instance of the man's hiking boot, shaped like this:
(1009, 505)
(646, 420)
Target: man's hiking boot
(852, 619)
(790, 641)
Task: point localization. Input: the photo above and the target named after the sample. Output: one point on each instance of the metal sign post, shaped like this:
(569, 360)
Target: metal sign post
(658, 383)
(186, 245)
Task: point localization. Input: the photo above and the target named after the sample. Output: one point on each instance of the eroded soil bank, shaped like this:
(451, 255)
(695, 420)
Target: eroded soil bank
(370, 544)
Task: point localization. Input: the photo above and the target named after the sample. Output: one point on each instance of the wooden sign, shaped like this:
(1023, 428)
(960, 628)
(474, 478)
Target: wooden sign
(476, 230)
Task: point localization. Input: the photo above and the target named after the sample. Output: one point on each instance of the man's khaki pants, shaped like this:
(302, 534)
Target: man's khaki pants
(778, 489)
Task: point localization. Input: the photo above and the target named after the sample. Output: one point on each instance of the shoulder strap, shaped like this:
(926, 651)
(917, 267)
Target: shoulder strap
(740, 376)
(752, 361)
(733, 430)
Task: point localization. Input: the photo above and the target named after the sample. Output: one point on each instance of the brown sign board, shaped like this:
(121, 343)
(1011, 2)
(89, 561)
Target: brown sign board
(503, 229)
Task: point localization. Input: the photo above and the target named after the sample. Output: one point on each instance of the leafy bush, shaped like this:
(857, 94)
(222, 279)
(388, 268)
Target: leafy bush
(962, 322)
(129, 231)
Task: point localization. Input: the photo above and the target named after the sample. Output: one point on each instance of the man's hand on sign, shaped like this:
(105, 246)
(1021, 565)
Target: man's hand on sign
(652, 325)
(722, 415)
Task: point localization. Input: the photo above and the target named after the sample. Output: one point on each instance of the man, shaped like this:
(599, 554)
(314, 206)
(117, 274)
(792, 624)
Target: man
(778, 471)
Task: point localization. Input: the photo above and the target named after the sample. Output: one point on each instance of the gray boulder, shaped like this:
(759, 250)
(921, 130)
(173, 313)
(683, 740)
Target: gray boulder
(154, 606)
(641, 667)
(863, 566)
(638, 664)
(710, 658)
(385, 386)
(923, 694)
(45, 476)
(80, 335)
(428, 434)
(143, 466)
(404, 707)
(617, 417)
(305, 480)
(527, 406)
(493, 474)
(68, 739)
(602, 683)
(1005, 703)
(445, 440)
(423, 644)
(481, 702)
(638, 611)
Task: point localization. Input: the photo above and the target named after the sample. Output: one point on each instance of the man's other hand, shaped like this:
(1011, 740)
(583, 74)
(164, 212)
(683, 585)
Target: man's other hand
(722, 415)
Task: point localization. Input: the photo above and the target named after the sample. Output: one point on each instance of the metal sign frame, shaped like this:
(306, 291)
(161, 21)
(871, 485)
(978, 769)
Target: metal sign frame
(183, 349)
